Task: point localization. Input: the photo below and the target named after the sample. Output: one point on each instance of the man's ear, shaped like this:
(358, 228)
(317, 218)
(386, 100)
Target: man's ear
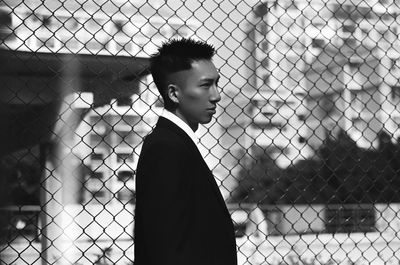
(173, 93)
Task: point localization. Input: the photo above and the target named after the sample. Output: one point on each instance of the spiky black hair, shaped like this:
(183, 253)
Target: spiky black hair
(174, 56)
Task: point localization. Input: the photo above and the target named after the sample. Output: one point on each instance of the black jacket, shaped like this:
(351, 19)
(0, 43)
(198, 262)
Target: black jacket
(180, 216)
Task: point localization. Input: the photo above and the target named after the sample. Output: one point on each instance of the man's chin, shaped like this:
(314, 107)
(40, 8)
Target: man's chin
(206, 121)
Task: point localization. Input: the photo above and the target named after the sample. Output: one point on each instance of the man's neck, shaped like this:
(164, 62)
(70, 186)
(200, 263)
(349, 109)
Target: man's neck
(194, 126)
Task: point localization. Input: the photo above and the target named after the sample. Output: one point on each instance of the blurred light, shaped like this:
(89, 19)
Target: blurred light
(20, 224)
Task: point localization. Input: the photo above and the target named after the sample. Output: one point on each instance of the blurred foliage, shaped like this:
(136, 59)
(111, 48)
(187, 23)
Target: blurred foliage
(340, 173)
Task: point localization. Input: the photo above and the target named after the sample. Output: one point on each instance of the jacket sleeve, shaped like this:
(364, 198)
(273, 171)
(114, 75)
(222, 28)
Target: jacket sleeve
(164, 186)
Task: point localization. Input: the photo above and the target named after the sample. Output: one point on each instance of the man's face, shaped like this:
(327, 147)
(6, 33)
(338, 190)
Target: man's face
(197, 93)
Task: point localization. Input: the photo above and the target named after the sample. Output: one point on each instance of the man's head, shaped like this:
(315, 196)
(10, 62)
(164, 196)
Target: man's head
(187, 79)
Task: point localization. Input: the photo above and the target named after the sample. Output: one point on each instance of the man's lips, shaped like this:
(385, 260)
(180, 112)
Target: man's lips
(212, 109)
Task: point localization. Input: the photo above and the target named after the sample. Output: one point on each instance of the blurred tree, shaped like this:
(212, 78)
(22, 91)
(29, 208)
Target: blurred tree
(388, 169)
(261, 181)
(339, 160)
(341, 173)
(306, 185)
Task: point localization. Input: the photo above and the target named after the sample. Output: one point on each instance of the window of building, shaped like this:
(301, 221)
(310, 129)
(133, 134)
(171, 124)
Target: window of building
(264, 46)
(301, 117)
(318, 43)
(355, 64)
(258, 103)
(350, 42)
(123, 135)
(98, 127)
(97, 175)
(395, 95)
(266, 78)
(128, 121)
(300, 95)
(124, 157)
(34, 17)
(277, 103)
(95, 120)
(5, 19)
(97, 156)
(5, 25)
(350, 28)
(95, 139)
(261, 10)
(46, 21)
(100, 195)
(393, 64)
(263, 29)
(265, 63)
(268, 125)
(124, 101)
(126, 195)
(125, 175)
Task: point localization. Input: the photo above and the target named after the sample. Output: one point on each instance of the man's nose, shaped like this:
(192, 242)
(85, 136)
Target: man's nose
(215, 95)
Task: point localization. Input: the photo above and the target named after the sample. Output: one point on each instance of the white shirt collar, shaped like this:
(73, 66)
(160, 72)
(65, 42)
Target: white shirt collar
(184, 126)
(181, 124)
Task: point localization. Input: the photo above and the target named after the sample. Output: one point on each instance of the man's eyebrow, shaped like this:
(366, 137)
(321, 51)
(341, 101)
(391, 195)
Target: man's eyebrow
(207, 79)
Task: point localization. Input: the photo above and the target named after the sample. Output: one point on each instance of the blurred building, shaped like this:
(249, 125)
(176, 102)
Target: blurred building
(322, 67)
(313, 69)
(108, 139)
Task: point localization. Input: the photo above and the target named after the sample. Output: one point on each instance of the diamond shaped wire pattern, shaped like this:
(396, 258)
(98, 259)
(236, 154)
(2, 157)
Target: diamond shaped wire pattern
(304, 145)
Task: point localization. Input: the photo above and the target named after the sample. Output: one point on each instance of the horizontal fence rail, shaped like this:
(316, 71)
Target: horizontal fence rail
(304, 145)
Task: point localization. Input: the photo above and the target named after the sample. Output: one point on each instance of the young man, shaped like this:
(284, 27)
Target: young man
(181, 217)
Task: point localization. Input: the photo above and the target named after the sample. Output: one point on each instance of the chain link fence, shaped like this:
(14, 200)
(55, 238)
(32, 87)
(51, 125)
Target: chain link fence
(304, 146)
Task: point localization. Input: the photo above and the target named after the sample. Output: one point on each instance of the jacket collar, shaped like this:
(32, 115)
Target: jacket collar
(181, 124)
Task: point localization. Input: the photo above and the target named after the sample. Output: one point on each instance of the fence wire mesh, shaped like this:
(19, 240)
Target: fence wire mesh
(305, 145)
